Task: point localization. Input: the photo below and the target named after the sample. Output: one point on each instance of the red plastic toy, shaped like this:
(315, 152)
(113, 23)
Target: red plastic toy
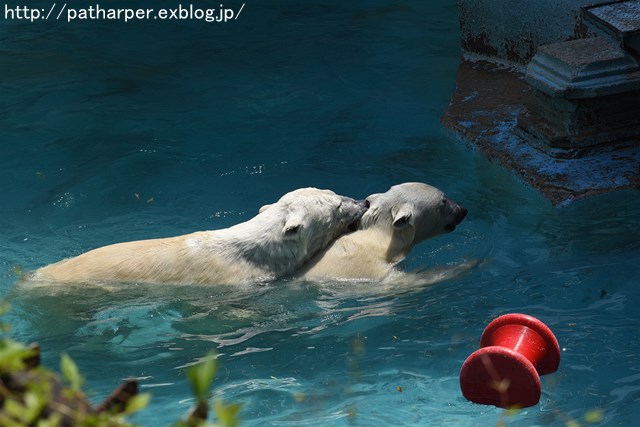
(515, 349)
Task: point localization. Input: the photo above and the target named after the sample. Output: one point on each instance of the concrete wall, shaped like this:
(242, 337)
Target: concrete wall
(511, 30)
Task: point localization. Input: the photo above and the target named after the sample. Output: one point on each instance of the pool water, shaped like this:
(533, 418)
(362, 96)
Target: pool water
(113, 131)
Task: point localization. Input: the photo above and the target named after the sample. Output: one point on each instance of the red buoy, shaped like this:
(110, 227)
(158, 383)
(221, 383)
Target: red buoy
(515, 349)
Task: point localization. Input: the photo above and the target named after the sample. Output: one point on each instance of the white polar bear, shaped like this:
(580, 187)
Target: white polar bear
(276, 242)
(395, 222)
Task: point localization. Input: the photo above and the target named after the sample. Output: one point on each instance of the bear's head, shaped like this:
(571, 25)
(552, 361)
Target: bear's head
(311, 218)
(412, 212)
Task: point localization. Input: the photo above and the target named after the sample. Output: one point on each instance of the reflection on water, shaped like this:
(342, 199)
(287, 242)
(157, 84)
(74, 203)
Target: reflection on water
(127, 315)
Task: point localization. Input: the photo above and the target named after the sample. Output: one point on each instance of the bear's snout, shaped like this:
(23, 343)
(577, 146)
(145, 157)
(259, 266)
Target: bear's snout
(363, 205)
(460, 213)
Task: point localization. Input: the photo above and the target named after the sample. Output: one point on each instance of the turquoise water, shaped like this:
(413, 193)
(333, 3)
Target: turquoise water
(114, 131)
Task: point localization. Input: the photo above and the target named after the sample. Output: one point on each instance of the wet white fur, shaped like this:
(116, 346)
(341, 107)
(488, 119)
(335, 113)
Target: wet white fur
(395, 222)
(280, 239)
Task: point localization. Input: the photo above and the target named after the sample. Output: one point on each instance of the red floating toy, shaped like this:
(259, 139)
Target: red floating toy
(515, 349)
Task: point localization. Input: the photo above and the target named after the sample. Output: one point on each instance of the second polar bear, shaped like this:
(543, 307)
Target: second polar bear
(395, 222)
(276, 242)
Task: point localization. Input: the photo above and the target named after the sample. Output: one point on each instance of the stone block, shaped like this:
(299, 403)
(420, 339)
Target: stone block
(586, 93)
(583, 68)
(620, 20)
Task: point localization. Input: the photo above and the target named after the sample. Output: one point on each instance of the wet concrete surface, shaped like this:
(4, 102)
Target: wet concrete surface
(483, 113)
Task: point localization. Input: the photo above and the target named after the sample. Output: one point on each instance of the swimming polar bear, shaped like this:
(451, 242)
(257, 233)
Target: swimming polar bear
(395, 222)
(276, 242)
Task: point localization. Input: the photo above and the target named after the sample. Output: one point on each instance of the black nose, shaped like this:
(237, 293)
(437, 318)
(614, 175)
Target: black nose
(461, 214)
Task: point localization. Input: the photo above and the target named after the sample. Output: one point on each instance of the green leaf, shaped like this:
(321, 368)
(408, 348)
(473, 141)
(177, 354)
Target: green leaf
(12, 355)
(70, 372)
(594, 416)
(136, 403)
(34, 404)
(201, 376)
(14, 409)
(4, 308)
(54, 420)
(227, 414)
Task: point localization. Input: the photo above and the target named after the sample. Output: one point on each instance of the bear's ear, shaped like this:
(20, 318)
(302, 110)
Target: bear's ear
(402, 217)
(292, 227)
(371, 199)
(264, 208)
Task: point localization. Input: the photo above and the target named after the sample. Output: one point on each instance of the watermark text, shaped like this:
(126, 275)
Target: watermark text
(94, 12)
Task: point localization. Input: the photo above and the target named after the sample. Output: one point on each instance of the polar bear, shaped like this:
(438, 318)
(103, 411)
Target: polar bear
(274, 243)
(395, 222)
